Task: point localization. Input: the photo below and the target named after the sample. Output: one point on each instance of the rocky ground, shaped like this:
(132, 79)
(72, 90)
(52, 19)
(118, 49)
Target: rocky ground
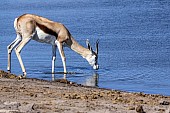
(61, 96)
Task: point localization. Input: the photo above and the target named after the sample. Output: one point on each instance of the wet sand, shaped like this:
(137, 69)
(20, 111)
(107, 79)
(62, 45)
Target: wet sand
(62, 96)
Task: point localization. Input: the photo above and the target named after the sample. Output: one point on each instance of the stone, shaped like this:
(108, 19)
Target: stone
(131, 108)
(164, 103)
(139, 109)
(27, 107)
(11, 105)
(168, 110)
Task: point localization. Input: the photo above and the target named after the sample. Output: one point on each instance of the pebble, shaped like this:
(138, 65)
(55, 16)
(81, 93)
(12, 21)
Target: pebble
(131, 108)
(11, 105)
(164, 103)
(16, 107)
(168, 110)
(27, 107)
(139, 109)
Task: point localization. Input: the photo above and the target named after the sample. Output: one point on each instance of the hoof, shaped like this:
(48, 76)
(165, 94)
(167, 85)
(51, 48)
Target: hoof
(9, 71)
(21, 77)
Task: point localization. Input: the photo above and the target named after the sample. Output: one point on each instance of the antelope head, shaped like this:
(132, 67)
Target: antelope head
(93, 57)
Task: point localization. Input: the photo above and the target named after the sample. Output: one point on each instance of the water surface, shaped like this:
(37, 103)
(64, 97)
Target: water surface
(134, 42)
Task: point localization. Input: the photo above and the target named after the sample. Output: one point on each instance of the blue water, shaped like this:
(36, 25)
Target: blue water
(134, 50)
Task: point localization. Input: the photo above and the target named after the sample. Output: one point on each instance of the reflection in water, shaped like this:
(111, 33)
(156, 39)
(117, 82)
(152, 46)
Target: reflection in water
(90, 81)
(53, 76)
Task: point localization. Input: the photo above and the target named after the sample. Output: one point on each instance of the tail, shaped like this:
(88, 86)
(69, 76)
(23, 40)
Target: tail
(15, 23)
(16, 26)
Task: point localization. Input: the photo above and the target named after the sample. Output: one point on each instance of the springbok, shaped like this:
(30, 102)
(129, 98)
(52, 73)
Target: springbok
(29, 26)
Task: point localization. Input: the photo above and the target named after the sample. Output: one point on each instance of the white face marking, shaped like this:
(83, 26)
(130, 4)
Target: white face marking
(43, 37)
(93, 61)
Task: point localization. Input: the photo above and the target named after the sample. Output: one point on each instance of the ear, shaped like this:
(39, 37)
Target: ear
(88, 44)
(97, 46)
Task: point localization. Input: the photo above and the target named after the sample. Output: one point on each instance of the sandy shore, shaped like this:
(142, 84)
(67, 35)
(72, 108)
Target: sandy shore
(61, 96)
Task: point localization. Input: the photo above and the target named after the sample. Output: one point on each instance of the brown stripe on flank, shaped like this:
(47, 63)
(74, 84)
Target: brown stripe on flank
(47, 30)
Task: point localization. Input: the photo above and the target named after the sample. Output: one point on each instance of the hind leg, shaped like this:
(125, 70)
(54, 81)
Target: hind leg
(10, 47)
(18, 50)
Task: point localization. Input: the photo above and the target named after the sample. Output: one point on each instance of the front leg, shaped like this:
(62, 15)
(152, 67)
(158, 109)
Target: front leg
(61, 51)
(53, 58)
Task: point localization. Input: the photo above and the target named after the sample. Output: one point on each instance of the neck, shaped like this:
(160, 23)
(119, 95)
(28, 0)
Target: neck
(75, 46)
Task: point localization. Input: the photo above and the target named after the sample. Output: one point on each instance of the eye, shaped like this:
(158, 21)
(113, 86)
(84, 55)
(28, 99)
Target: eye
(96, 58)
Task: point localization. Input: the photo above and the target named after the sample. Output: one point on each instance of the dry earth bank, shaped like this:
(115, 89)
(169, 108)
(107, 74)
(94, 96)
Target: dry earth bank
(61, 96)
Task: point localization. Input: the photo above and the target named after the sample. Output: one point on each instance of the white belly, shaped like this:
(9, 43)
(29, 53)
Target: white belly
(43, 37)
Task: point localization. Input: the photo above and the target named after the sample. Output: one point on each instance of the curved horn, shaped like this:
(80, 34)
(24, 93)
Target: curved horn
(97, 46)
